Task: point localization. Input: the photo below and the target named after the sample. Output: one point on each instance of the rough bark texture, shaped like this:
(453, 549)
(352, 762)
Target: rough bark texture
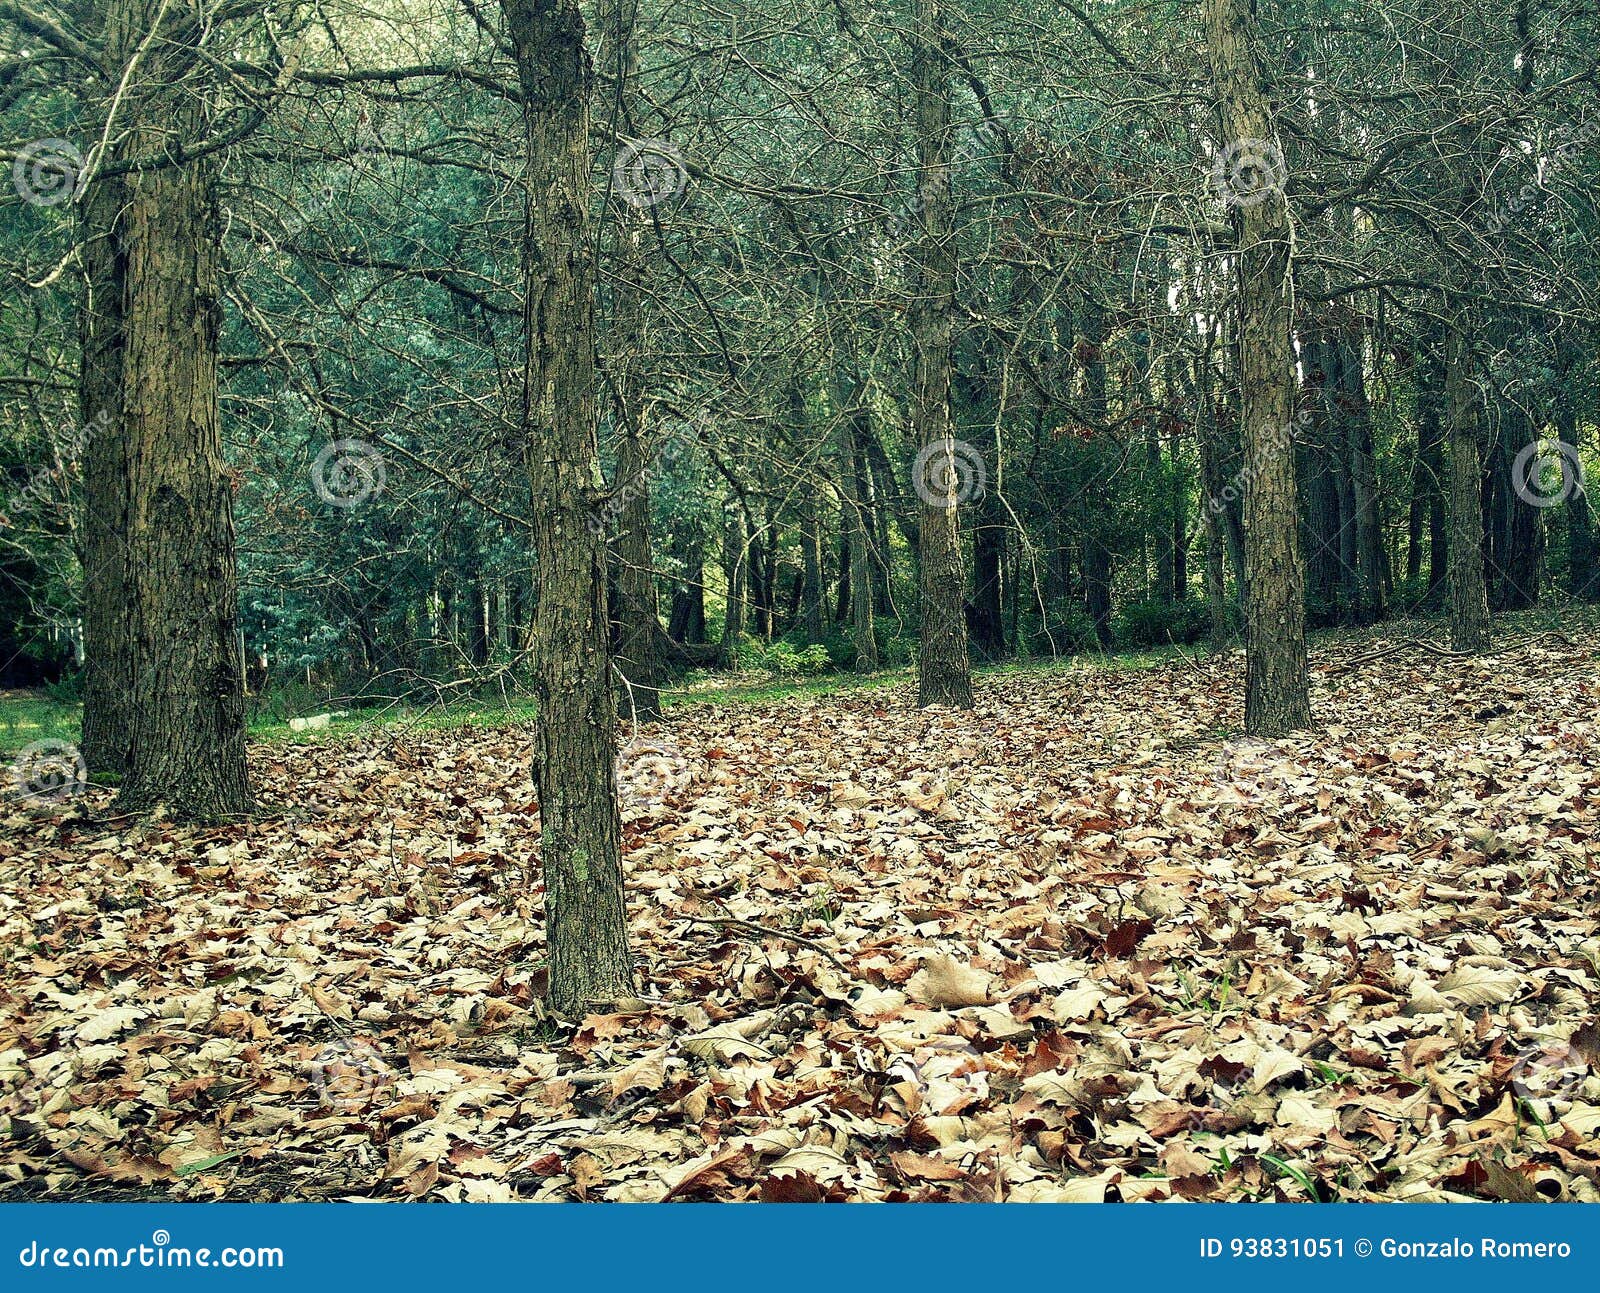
(1277, 693)
(1469, 593)
(104, 741)
(637, 611)
(1583, 577)
(1097, 566)
(856, 538)
(586, 924)
(944, 675)
(1356, 413)
(165, 698)
(1427, 478)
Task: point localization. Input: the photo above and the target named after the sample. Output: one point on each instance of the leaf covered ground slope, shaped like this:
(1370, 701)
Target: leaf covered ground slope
(1078, 944)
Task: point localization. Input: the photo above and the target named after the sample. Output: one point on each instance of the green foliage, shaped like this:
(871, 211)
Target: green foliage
(1065, 630)
(1412, 596)
(782, 659)
(1148, 624)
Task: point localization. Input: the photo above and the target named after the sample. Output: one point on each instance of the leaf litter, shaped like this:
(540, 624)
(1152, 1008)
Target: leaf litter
(1083, 943)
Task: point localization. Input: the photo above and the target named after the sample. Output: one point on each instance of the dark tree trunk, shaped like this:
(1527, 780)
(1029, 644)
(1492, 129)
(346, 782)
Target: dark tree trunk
(1469, 596)
(1583, 577)
(814, 589)
(585, 913)
(105, 738)
(1356, 414)
(1515, 526)
(687, 623)
(164, 706)
(1277, 687)
(636, 610)
(1097, 566)
(857, 537)
(944, 675)
(986, 621)
(735, 578)
(813, 583)
(1319, 484)
(1428, 471)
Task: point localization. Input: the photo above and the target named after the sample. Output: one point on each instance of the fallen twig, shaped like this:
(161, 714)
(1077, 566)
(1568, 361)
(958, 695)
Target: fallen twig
(749, 926)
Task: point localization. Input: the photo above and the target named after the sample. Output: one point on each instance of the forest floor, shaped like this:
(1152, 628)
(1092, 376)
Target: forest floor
(1076, 944)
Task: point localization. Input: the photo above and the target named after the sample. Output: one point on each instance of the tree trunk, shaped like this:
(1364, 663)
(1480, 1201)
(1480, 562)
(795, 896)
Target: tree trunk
(105, 739)
(1583, 578)
(585, 914)
(944, 674)
(1356, 414)
(637, 610)
(1469, 595)
(1277, 688)
(1097, 565)
(736, 578)
(857, 558)
(164, 705)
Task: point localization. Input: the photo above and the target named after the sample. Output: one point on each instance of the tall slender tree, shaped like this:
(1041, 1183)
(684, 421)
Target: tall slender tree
(585, 913)
(944, 674)
(1277, 688)
(1469, 591)
(636, 611)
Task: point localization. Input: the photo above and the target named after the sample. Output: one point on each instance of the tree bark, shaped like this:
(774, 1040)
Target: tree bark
(1469, 594)
(164, 705)
(1277, 687)
(944, 675)
(1583, 577)
(637, 610)
(856, 537)
(585, 914)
